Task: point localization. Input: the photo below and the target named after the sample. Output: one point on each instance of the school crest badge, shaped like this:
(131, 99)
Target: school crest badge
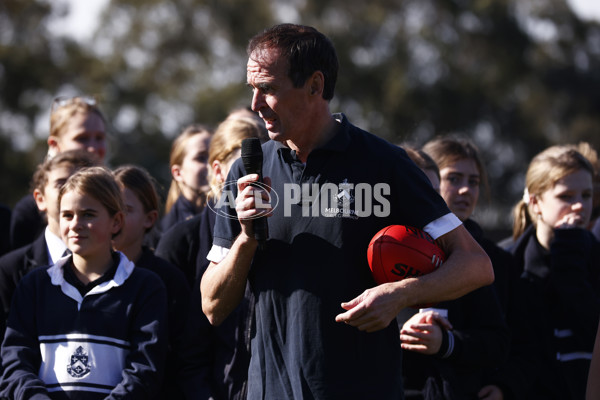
(79, 365)
(342, 201)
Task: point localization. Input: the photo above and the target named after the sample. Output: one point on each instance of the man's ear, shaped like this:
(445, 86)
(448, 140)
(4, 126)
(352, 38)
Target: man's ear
(40, 200)
(317, 83)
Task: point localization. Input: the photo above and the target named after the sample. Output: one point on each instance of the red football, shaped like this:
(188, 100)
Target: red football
(397, 252)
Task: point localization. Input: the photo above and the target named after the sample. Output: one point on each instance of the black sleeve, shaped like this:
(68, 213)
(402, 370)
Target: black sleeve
(145, 363)
(505, 272)
(197, 353)
(574, 267)
(526, 324)
(21, 356)
(26, 222)
(5, 218)
(484, 340)
(8, 282)
(179, 246)
(178, 293)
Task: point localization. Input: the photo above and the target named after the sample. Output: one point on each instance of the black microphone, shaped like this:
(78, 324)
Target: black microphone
(252, 158)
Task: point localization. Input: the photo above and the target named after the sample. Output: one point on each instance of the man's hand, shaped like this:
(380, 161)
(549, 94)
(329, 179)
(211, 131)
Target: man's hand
(252, 201)
(373, 310)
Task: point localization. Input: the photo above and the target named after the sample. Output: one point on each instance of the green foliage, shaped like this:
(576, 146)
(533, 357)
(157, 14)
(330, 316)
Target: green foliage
(513, 75)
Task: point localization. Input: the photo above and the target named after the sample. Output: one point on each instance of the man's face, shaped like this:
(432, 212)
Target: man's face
(283, 107)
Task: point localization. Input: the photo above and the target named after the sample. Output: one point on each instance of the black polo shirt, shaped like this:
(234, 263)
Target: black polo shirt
(326, 212)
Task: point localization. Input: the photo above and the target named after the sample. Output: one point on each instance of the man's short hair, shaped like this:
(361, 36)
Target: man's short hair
(306, 50)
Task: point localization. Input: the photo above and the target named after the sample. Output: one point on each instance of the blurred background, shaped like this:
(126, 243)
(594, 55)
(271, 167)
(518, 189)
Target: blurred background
(514, 75)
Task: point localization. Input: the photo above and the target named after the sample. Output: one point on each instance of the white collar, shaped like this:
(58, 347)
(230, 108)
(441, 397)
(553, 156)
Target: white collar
(56, 247)
(57, 278)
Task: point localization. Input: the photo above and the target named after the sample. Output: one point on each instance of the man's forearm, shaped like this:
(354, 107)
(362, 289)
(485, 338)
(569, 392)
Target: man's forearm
(223, 284)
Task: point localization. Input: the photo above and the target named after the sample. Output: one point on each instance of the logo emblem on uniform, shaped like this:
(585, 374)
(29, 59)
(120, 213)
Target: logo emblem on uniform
(344, 199)
(78, 368)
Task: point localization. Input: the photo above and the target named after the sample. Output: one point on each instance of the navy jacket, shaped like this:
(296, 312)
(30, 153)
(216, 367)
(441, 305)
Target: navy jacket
(187, 243)
(5, 217)
(178, 297)
(182, 210)
(16, 264)
(26, 222)
(560, 300)
(503, 262)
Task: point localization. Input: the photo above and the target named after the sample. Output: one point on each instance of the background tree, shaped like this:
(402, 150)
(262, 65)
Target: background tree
(514, 75)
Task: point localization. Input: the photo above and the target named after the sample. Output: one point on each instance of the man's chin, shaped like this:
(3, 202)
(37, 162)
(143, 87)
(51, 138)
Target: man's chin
(276, 136)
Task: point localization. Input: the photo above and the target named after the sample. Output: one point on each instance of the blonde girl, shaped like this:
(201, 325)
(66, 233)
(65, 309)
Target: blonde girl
(554, 169)
(189, 167)
(77, 123)
(225, 148)
(559, 261)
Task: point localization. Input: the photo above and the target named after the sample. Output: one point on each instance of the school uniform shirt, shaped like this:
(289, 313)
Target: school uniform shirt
(104, 340)
(45, 250)
(178, 297)
(27, 222)
(57, 249)
(187, 243)
(559, 294)
(179, 246)
(5, 217)
(17, 263)
(477, 345)
(503, 263)
(182, 210)
(13, 266)
(325, 213)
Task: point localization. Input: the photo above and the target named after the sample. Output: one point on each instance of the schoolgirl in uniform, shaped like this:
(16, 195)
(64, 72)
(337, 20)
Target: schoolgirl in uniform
(141, 212)
(450, 350)
(92, 326)
(559, 263)
(463, 182)
(76, 123)
(48, 247)
(189, 168)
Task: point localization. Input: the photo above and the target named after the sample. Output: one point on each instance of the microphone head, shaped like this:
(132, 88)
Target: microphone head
(252, 155)
(252, 158)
